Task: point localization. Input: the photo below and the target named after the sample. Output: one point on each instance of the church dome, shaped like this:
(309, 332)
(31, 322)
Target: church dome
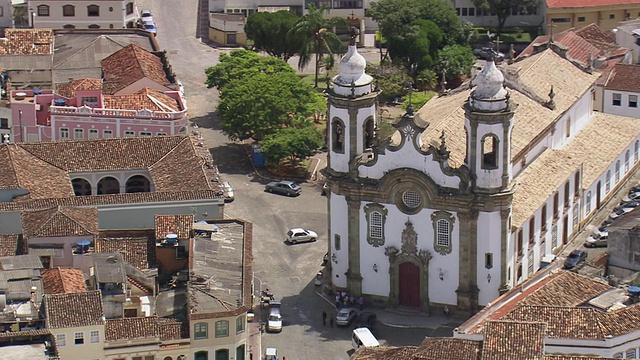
(352, 80)
(490, 94)
(352, 65)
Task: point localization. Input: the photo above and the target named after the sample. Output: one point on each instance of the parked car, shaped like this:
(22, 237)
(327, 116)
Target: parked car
(284, 187)
(146, 14)
(365, 319)
(227, 191)
(623, 209)
(575, 258)
(319, 278)
(270, 354)
(603, 230)
(345, 316)
(150, 27)
(297, 235)
(632, 196)
(596, 240)
(274, 323)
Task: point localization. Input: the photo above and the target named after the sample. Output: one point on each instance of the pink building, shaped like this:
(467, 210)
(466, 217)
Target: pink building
(135, 99)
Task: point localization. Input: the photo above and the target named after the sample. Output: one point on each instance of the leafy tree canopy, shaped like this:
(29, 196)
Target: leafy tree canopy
(258, 105)
(270, 33)
(504, 8)
(395, 18)
(418, 48)
(240, 63)
(457, 60)
(292, 143)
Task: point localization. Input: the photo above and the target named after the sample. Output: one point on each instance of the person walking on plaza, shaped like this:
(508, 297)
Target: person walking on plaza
(446, 311)
(324, 318)
(361, 302)
(338, 300)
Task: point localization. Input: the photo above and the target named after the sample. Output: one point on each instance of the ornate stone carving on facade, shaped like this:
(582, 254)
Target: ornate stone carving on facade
(409, 239)
(424, 256)
(391, 251)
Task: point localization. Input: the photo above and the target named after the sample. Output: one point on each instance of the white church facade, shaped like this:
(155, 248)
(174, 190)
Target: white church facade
(473, 189)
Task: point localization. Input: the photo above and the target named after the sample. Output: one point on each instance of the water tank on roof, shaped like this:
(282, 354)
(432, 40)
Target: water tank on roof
(20, 95)
(59, 102)
(83, 246)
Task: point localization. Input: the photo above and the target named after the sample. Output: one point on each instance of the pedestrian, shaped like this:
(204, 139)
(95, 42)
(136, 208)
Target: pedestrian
(446, 311)
(361, 302)
(331, 322)
(324, 318)
(346, 301)
(338, 300)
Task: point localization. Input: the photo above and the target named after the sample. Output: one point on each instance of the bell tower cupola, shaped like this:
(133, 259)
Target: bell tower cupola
(352, 109)
(489, 121)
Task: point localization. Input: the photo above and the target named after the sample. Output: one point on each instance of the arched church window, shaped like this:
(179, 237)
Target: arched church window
(137, 183)
(81, 187)
(443, 229)
(411, 199)
(337, 136)
(607, 184)
(368, 133)
(490, 152)
(588, 202)
(376, 215)
(617, 171)
(626, 161)
(108, 185)
(636, 147)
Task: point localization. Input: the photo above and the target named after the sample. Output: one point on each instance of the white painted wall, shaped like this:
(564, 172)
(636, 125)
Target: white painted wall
(338, 225)
(624, 109)
(489, 241)
(490, 178)
(340, 161)
(626, 39)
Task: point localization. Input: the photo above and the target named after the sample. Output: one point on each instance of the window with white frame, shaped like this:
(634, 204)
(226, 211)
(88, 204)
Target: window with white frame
(626, 161)
(93, 133)
(633, 101)
(617, 171)
(607, 183)
(90, 101)
(554, 236)
(631, 354)
(64, 133)
(588, 202)
(129, 133)
(145, 133)
(576, 215)
(61, 339)
(107, 133)
(376, 215)
(617, 99)
(411, 199)
(635, 151)
(161, 134)
(530, 264)
(239, 324)
(78, 133)
(222, 328)
(200, 330)
(444, 236)
(78, 338)
(94, 336)
(443, 228)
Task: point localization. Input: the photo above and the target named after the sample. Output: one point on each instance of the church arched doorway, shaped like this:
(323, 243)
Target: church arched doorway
(409, 285)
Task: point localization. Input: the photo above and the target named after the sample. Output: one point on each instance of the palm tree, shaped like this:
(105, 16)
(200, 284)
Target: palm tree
(315, 37)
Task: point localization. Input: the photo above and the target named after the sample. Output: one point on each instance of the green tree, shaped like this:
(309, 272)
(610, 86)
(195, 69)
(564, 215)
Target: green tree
(292, 143)
(395, 16)
(504, 8)
(240, 63)
(457, 61)
(418, 48)
(258, 105)
(269, 32)
(312, 29)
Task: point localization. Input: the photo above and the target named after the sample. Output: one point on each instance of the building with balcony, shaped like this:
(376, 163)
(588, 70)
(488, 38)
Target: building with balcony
(82, 14)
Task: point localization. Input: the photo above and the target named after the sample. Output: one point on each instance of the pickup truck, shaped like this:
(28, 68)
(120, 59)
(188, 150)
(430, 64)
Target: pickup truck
(284, 187)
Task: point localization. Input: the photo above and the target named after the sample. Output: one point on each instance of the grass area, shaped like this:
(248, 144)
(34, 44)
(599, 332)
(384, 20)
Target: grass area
(310, 79)
(385, 129)
(286, 169)
(509, 34)
(418, 99)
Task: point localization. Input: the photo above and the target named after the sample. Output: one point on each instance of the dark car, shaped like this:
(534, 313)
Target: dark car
(575, 258)
(283, 187)
(365, 319)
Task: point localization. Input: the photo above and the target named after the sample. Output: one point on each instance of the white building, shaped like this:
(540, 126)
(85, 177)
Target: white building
(621, 90)
(473, 190)
(628, 35)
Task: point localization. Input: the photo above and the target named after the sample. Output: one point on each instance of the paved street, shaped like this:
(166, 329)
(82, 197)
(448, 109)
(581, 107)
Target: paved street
(286, 270)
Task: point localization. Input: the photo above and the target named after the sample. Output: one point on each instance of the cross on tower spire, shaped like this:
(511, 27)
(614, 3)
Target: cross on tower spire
(551, 25)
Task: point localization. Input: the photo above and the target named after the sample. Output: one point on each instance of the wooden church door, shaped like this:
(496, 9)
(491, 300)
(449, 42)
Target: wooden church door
(409, 284)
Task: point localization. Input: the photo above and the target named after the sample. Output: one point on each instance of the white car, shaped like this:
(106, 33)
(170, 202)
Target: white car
(596, 240)
(227, 191)
(270, 354)
(297, 235)
(274, 323)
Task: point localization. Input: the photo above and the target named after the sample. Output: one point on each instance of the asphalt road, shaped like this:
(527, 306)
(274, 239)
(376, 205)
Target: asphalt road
(287, 270)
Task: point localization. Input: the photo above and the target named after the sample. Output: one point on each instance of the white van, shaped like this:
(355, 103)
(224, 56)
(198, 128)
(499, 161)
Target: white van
(363, 337)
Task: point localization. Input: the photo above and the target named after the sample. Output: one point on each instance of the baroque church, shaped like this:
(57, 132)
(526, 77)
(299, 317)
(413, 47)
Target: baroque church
(475, 188)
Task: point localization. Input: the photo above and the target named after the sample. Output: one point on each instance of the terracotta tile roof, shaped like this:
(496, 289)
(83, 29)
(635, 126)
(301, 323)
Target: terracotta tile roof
(63, 281)
(384, 353)
(531, 80)
(562, 322)
(11, 245)
(574, 357)
(587, 3)
(27, 42)
(73, 310)
(97, 200)
(25, 333)
(620, 322)
(132, 328)
(146, 98)
(181, 225)
(593, 32)
(513, 340)
(624, 77)
(566, 288)
(591, 148)
(132, 63)
(68, 90)
(136, 251)
(172, 329)
(448, 348)
(60, 221)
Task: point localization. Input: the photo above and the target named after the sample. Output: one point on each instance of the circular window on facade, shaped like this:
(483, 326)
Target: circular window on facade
(411, 199)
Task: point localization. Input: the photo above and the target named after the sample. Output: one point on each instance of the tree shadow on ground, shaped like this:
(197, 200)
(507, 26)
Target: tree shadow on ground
(209, 121)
